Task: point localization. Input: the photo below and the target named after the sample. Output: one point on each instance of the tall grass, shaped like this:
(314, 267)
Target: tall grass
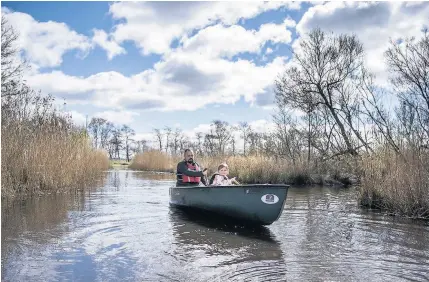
(395, 184)
(47, 159)
(247, 169)
(153, 160)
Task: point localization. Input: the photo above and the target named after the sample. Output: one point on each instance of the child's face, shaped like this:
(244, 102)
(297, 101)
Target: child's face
(223, 171)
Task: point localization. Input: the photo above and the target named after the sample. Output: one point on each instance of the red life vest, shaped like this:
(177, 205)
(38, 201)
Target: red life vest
(186, 178)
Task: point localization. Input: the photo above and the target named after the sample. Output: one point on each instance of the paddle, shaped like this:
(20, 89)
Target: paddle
(236, 182)
(205, 178)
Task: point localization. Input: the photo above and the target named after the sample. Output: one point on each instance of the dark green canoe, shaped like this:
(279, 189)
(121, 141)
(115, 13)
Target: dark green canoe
(260, 204)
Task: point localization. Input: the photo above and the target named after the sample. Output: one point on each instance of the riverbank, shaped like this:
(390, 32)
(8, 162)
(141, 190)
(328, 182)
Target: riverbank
(396, 183)
(118, 163)
(46, 160)
(383, 180)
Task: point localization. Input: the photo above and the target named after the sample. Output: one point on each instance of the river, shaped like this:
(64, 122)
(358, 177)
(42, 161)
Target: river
(125, 230)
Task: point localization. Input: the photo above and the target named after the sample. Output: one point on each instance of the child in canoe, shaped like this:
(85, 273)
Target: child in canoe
(221, 177)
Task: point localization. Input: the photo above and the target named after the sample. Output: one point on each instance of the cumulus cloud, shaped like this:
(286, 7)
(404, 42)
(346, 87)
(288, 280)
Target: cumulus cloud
(180, 76)
(374, 23)
(44, 43)
(140, 21)
(262, 126)
(102, 39)
(236, 39)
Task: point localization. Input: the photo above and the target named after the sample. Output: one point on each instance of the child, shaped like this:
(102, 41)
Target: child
(221, 177)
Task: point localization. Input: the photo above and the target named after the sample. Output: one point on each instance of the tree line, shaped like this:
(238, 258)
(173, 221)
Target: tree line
(119, 140)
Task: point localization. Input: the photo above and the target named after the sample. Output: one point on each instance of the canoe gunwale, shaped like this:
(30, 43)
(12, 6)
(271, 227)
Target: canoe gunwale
(236, 186)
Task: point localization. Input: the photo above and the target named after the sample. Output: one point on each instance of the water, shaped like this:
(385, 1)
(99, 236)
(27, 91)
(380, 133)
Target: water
(126, 231)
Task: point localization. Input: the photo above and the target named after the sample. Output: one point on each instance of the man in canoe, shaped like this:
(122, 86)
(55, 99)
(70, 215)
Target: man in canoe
(189, 172)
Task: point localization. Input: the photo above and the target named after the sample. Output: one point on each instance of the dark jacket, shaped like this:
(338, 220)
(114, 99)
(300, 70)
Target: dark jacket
(182, 168)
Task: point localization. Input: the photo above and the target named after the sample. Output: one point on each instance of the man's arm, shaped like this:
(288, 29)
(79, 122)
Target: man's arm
(183, 169)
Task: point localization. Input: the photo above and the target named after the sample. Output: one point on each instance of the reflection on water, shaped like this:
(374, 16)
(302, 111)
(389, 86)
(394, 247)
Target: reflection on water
(234, 250)
(126, 231)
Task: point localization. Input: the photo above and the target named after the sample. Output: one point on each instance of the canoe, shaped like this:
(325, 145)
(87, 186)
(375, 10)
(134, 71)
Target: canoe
(256, 204)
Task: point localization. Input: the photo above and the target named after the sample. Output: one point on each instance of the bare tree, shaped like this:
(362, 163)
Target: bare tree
(199, 144)
(159, 136)
(233, 141)
(375, 110)
(285, 134)
(245, 129)
(323, 72)
(177, 136)
(210, 143)
(116, 143)
(11, 67)
(95, 129)
(105, 134)
(141, 146)
(168, 131)
(409, 67)
(127, 134)
(222, 133)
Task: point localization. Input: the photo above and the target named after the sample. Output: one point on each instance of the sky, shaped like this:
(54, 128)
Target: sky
(185, 64)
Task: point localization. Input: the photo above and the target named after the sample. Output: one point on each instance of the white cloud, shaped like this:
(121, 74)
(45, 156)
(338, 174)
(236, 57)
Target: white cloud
(262, 126)
(104, 41)
(236, 39)
(45, 43)
(374, 23)
(154, 25)
(144, 136)
(181, 76)
(117, 117)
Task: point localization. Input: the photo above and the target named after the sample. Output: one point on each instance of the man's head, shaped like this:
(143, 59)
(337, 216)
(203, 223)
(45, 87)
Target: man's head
(189, 156)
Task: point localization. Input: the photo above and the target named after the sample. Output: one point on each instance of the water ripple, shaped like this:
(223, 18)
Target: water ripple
(125, 231)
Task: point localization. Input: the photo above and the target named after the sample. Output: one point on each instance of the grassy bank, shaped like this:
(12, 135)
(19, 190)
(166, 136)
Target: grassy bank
(249, 169)
(397, 185)
(46, 159)
(114, 163)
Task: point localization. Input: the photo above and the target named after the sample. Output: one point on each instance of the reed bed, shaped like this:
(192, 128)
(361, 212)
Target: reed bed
(247, 169)
(395, 184)
(153, 160)
(38, 160)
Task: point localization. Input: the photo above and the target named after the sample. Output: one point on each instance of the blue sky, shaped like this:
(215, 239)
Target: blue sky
(185, 64)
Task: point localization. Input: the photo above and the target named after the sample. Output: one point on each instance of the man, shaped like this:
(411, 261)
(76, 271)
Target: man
(189, 172)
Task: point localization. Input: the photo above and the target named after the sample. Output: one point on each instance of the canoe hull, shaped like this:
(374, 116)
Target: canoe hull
(259, 204)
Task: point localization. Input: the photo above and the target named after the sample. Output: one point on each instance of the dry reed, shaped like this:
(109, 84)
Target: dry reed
(395, 184)
(37, 160)
(249, 169)
(153, 160)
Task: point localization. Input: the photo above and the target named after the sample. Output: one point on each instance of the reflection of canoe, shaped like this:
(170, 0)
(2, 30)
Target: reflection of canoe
(259, 204)
(217, 236)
